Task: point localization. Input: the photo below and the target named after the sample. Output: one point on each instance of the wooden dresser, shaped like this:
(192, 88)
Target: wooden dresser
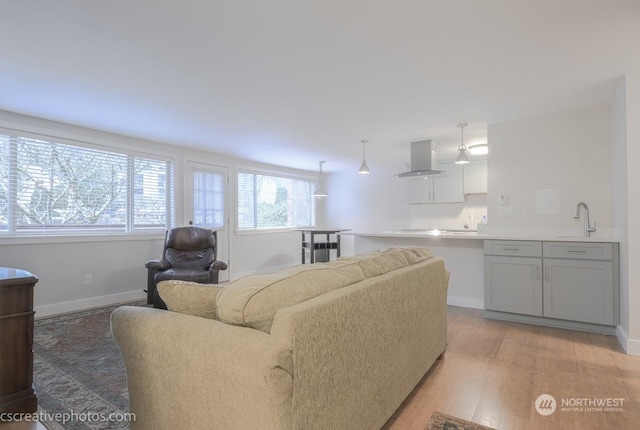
(16, 341)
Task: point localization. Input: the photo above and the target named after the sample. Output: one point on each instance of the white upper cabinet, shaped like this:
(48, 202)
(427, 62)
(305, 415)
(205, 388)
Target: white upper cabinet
(475, 177)
(448, 189)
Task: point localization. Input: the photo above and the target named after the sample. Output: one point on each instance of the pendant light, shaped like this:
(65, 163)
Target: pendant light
(320, 192)
(364, 169)
(463, 156)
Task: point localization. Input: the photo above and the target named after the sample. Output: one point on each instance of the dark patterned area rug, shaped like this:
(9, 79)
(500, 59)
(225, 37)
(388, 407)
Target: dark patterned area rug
(79, 375)
(440, 421)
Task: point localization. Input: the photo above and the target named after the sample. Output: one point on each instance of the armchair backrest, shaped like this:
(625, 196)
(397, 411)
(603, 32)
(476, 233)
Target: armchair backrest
(191, 248)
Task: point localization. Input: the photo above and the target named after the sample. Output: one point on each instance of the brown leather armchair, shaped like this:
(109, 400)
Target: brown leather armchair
(190, 254)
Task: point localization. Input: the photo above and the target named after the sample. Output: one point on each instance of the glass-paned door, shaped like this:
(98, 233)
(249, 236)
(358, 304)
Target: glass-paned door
(206, 191)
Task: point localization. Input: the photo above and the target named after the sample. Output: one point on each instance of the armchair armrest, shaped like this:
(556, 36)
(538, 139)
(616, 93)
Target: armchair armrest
(190, 372)
(157, 265)
(218, 265)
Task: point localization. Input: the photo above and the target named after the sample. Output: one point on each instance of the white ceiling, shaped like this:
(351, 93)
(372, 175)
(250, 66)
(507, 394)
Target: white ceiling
(293, 82)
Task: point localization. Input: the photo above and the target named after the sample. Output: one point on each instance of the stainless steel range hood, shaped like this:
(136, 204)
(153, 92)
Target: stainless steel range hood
(423, 160)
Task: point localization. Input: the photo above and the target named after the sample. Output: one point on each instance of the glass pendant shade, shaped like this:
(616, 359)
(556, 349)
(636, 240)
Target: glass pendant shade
(320, 191)
(463, 156)
(364, 169)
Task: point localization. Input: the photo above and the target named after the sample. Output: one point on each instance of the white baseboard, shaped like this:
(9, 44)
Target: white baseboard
(630, 346)
(465, 302)
(92, 302)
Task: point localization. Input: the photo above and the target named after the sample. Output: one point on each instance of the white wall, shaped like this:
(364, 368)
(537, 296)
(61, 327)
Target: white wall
(633, 208)
(619, 196)
(626, 203)
(116, 265)
(117, 262)
(365, 202)
(568, 152)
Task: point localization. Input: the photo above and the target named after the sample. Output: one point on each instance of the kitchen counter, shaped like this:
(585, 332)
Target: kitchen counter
(463, 252)
(474, 235)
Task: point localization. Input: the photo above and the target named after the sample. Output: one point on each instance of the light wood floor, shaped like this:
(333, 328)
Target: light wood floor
(493, 371)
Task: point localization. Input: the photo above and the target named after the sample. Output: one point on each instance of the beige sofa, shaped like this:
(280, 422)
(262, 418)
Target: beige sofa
(333, 346)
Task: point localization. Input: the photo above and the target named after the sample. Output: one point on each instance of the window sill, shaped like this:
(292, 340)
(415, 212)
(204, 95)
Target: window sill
(38, 239)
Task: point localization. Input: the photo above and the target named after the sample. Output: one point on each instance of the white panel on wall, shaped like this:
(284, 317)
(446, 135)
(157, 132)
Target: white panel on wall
(548, 202)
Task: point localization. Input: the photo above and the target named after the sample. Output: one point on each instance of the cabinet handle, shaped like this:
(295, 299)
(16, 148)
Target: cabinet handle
(582, 251)
(546, 274)
(511, 249)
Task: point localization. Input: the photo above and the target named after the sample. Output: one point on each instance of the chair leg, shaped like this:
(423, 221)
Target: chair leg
(151, 286)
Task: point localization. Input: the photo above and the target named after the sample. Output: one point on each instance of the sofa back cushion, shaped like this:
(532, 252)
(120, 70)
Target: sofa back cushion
(380, 262)
(253, 301)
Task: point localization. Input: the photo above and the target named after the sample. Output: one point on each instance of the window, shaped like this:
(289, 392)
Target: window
(208, 199)
(267, 201)
(49, 187)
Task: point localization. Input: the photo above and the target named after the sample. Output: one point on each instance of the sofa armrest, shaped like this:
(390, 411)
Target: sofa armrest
(190, 298)
(189, 372)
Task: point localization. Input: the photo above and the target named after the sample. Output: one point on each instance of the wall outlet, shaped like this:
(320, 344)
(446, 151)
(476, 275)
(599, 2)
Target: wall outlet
(502, 199)
(509, 210)
(88, 279)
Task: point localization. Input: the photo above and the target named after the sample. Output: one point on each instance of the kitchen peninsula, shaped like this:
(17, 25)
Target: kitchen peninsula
(522, 274)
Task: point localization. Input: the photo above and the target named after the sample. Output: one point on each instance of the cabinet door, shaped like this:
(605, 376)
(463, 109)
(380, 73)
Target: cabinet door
(420, 190)
(579, 290)
(513, 284)
(449, 189)
(475, 177)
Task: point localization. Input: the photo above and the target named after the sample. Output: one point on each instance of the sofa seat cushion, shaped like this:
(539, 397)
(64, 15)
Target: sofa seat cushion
(253, 301)
(190, 298)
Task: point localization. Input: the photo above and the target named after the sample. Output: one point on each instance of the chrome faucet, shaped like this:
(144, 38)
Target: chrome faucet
(587, 225)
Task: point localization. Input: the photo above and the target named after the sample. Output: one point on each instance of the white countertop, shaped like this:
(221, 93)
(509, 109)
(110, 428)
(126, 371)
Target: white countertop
(473, 235)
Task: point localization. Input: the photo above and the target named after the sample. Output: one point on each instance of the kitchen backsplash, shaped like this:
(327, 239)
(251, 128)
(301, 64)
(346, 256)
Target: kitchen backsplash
(452, 216)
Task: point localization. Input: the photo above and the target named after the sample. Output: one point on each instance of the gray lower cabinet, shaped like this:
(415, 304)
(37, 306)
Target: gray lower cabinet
(573, 281)
(513, 276)
(579, 291)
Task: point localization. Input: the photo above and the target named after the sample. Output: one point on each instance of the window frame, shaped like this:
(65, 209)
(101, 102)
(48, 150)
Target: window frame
(280, 175)
(129, 231)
